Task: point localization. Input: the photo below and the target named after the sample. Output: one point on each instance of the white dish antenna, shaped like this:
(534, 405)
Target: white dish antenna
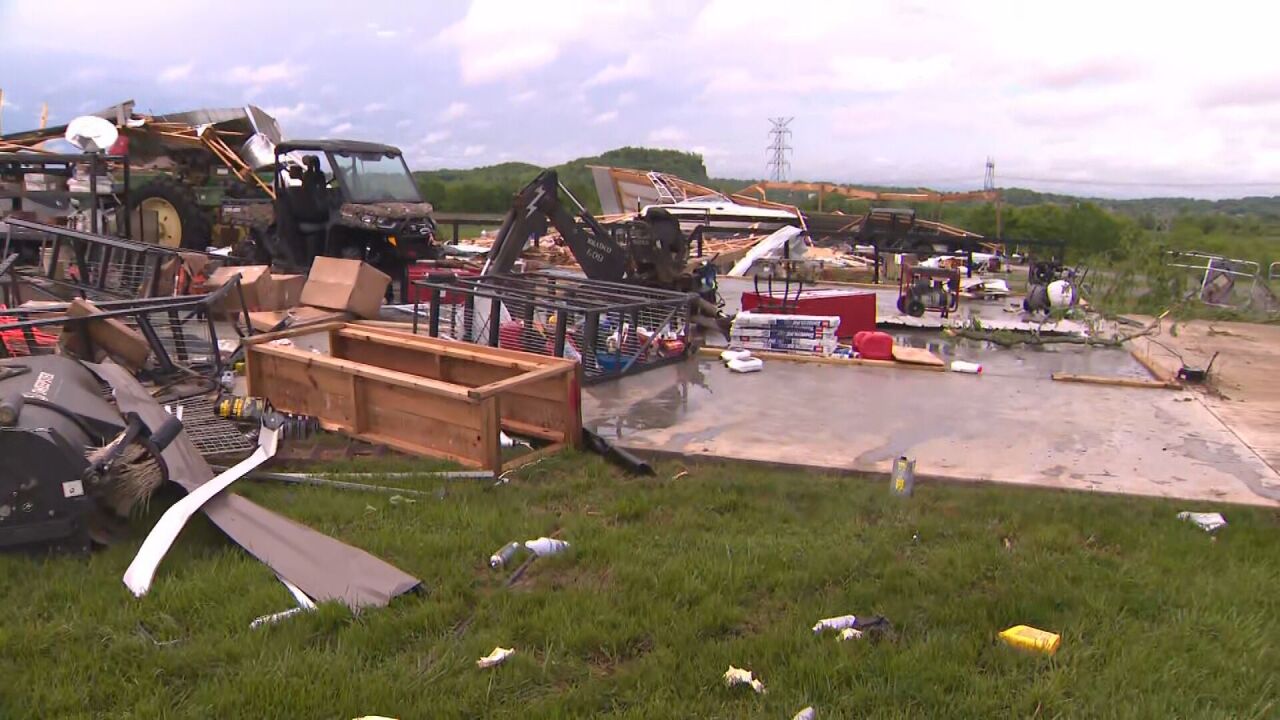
(91, 133)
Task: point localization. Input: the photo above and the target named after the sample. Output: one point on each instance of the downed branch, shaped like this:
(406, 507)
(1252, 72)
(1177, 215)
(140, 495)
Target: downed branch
(1008, 339)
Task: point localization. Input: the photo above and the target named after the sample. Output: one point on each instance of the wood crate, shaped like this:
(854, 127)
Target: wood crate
(426, 396)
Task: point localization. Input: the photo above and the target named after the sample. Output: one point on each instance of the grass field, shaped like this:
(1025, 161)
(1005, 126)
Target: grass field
(670, 581)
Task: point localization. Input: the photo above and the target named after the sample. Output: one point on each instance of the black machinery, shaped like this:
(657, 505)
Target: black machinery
(923, 289)
(652, 252)
(69, 455)
(1051, 286)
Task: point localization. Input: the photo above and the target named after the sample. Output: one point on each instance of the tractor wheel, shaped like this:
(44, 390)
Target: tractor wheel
(180, 221)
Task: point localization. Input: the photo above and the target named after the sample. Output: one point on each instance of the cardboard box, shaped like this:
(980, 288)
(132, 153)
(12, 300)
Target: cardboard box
(300, 316)
(282, 292)
(351, 285)
(253, 279)
(106, 335)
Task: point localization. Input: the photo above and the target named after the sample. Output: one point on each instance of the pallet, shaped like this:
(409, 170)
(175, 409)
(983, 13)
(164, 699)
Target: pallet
(421, 395)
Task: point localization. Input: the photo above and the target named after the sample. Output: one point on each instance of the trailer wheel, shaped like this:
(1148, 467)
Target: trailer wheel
(915, 308)
(180, 221)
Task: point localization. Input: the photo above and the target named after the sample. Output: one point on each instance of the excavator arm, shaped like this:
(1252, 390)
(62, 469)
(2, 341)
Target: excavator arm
(537, 205)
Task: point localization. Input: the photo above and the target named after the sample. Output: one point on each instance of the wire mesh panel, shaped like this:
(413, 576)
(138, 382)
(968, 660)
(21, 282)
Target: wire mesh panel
(180, 331)
(612, 329)
(212, 435)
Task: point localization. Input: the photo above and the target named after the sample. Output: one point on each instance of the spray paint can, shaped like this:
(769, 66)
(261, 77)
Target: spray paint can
(903, 478)
(504, 556)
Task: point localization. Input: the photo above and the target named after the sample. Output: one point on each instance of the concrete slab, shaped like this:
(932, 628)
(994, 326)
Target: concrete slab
(1012, 424)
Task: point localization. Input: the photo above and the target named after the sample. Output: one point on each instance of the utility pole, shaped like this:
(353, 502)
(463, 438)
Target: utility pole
(780, 148)
(989, 185)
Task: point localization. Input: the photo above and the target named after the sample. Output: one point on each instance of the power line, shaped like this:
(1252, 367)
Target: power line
(1157, 183)
(779, 148)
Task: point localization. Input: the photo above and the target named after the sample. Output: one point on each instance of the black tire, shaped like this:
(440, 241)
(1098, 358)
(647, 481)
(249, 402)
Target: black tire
(915, 308)
(195, 227)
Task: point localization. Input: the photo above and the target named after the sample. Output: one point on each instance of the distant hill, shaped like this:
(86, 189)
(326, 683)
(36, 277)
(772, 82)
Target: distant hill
(489, 189)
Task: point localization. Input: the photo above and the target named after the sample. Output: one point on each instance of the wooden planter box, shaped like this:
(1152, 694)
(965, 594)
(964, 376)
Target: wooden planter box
(422, 395)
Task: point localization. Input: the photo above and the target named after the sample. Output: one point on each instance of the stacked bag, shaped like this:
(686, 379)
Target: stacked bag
(793, 334)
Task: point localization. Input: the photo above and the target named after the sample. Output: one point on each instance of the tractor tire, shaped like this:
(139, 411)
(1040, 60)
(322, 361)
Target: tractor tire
(182, 222)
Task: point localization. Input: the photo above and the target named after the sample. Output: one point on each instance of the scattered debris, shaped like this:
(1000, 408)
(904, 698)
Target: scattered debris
(140, 572)
(903, 476)
(305, 604)
(546, 547)
(835, 623)
(849, 634)
(616, 454)
(505, 555)
(498, 656)
(806, 714)
(1029, 638)
(963, 366)
(401, 500)
(737, 676)
(746, 365)
(1210, 522)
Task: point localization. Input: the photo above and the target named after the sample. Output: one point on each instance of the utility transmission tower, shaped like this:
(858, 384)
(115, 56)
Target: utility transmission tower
(989, 185)
(780, 148)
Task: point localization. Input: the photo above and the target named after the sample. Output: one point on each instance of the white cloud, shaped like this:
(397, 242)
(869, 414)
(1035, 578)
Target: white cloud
(289, 112)
(523, 97)
(174, 73)
(668, 136)
(404, 123)
(473, 150)
(341, 128)
(625, 98)
(454, 111)
(387, 34)
(6, 102)
(498, 40)
(259, 75)
(375, 107)
(605, 117)
(435, 137)
(634, 66)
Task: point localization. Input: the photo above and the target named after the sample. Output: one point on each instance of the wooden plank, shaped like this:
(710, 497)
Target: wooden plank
(518, 381)
(416, 449)
(916, 356)
(466, 351)
(391, 377)
(448, 427)
(456, 348)
(359, 418)
(1116, 381)
(490, 441)
(515, 427)
(819, 360)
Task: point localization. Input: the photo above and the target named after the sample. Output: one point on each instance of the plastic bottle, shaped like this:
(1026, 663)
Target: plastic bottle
(504, 555)
(1029, 638)
(961, 366)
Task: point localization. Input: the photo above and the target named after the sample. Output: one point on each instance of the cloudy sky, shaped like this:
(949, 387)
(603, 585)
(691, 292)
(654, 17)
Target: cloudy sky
(1116, 98)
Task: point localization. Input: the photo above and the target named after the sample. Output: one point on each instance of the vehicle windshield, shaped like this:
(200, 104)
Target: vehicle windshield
(371, 177)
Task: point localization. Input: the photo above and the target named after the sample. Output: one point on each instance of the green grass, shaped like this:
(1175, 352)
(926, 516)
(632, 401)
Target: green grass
(670, 581)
